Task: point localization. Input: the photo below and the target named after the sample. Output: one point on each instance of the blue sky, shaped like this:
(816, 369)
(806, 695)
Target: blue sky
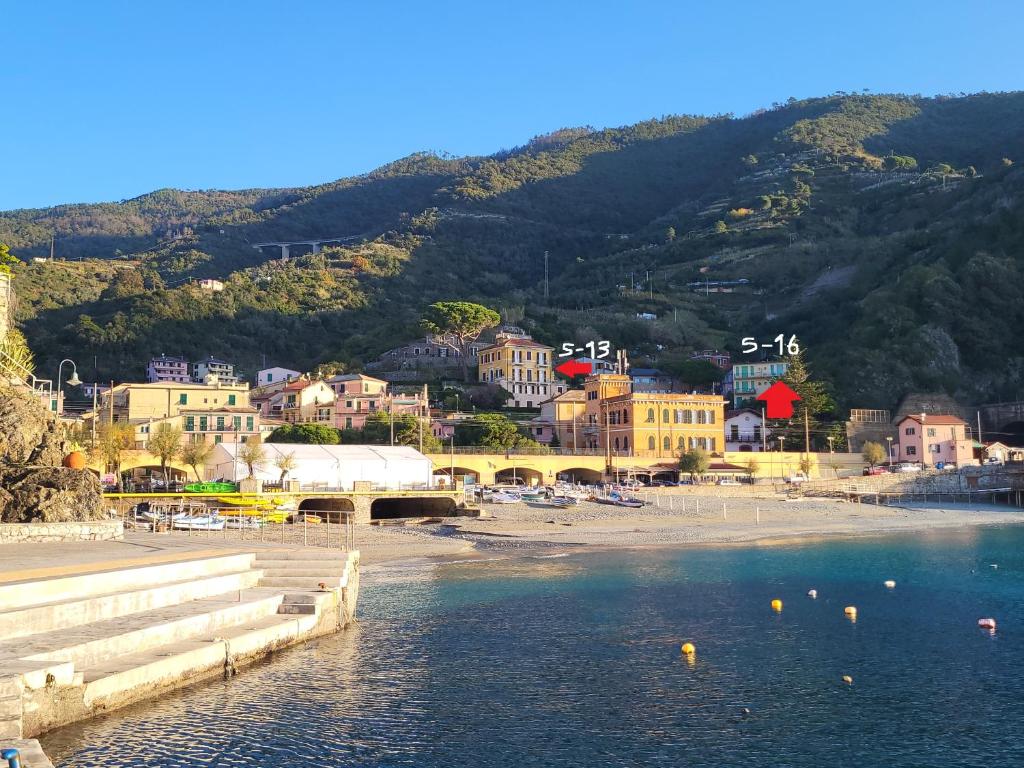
(108, 100)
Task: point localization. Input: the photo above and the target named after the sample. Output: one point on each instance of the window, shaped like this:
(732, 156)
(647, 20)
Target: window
(348, 422)
(664, 415)
(666, 443)
(734, 432)
(220, 423)
(625, 416)
(931, 431)
(651, 443)
(682, 443)
(190, 423)
(650, 418)
(702, 417)
(711, 417)
(936, 448)
(687, 417)
(616, 443)
(911, 450)
(217, 439)
(910, 431)
(183, 399)
(202, 423)
(236, 423)
(249, 423)
(711, 444)
(625, 443)
(231, 399)
(528, 357)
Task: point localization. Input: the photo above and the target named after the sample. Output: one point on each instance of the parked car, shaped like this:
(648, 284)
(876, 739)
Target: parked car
(993, 460)
(906, 466)
(877, 470)
(728, 481)
(799, 477)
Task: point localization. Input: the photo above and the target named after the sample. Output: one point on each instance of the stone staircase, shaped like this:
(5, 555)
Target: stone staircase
(72, 646)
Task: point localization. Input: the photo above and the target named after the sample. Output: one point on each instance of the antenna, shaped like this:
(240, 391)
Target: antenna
(545, 275)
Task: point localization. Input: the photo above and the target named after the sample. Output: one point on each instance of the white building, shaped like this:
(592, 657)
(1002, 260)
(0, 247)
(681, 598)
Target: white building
(274, 375)
(335, 467)
(743, 430)
(221, 370)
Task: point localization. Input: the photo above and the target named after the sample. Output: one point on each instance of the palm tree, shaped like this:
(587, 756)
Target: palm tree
(165, 444)
(195, 454)
(286, 462)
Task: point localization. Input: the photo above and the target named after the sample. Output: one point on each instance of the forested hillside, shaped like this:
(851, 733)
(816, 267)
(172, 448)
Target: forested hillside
(886, 232)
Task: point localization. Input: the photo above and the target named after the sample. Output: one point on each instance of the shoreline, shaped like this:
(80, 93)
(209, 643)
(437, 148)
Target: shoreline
(517, 530)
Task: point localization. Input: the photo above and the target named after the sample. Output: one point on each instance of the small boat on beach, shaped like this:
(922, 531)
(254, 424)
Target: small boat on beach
(505, 497)
(198, 523)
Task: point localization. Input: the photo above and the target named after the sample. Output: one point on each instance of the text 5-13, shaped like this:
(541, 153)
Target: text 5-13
(791, 347)
(597, 349)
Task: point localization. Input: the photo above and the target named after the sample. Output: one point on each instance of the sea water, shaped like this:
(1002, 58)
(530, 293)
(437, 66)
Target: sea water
(574, 660)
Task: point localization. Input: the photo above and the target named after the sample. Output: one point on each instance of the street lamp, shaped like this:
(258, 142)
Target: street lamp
(74, 381)
(889, 441)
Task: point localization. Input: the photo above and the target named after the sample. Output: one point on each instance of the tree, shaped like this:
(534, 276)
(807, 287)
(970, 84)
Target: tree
(195, 454)
(721, 227)
(492, 430)
(7, 260)
(286, 462)
(456, 324)
(752, 466)
(17, 352)
(253, 456)
(695, 462)
(694, 374)
(165, 444)
(873, 453)
(310, 434)
(113, 440)
(814, 402)
(670, 234)
(805, 465)
(554, 442)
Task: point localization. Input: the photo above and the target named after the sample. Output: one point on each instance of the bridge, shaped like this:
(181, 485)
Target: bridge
(1003, 422)
(285, 245)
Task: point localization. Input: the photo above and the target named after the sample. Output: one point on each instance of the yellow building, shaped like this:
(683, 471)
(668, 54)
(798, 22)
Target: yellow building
(159, 400)
(522, 367)
(650, 425)
(203, 412)
(563, 416)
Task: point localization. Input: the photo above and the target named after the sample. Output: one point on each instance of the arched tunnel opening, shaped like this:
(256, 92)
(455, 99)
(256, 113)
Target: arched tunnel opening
(580, 475)
(331, 510)
(411, 506)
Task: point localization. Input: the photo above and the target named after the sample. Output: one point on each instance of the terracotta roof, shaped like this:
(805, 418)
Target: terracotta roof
(520, 343)
(935, 418)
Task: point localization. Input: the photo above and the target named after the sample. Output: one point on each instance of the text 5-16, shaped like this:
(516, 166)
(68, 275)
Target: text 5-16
(791, 347)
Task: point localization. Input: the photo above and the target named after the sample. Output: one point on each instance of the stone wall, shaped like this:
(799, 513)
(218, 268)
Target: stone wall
(91, 530)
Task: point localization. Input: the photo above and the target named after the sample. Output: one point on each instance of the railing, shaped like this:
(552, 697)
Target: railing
(522, 451)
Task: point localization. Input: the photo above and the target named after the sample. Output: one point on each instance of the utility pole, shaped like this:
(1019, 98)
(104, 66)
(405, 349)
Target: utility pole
(391, 416)
(979, 426)
(545, 276)
(95, 412)
(764, 432)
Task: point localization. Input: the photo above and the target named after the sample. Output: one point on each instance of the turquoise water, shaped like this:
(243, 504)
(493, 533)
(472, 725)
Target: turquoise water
(574, 661)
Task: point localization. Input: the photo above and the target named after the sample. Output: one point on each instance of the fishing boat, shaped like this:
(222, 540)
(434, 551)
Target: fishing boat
(533, 496)
(625, 501)
(240, 523)
(505, 497)
(198, 523)
(563, 501)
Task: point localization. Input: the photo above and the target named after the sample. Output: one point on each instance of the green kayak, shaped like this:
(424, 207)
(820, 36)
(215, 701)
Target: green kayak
(211, 488)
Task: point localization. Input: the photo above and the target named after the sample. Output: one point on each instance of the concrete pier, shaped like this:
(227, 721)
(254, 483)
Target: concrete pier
(89, 628)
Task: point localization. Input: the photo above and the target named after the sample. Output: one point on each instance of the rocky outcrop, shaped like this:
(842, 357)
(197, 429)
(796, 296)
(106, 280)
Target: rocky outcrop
(34, 487)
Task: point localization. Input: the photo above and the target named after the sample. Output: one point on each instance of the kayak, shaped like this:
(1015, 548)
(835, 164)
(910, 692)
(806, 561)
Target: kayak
(211, 488)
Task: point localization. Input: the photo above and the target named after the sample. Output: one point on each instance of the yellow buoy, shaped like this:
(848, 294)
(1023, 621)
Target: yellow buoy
(689, 649)
(847, 679)
(850, 611)
(776, 605)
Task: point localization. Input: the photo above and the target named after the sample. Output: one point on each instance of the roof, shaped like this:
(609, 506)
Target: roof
(168, 359)
(935, 418)
(354, 377)
(737, 411)
(574, 395)
(516, 342)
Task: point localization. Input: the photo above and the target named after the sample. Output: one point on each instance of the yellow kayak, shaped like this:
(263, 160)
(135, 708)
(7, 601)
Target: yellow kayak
(249, 500)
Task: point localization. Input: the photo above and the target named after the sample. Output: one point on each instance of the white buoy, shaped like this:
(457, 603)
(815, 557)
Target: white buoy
(890, 583)
(989, 624)
(813, 594)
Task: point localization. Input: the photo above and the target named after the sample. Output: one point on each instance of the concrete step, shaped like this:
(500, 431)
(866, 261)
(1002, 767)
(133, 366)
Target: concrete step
(301, 569)
(108, 577)
(303, 553)
(117, 680)
(74, 612)
(93, 643)
(301, 582)
(337, 564)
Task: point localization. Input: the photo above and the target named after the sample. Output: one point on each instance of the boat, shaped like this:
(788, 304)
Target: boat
(563, 501)
(198, 523)
(533, 496)
(240, 523)
(505, 497)
(632, 503)
(211, 487)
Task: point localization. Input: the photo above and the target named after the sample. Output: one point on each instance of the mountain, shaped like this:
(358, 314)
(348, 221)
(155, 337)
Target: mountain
(885, 231)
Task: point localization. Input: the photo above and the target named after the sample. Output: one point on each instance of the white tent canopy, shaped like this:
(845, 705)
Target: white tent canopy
(328, 466)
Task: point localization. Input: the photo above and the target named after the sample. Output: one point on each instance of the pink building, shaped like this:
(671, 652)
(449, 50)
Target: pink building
(358, 396)
(934, 438)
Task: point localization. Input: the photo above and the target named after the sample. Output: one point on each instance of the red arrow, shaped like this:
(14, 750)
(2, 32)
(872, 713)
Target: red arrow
(779, 400)
(572, 368)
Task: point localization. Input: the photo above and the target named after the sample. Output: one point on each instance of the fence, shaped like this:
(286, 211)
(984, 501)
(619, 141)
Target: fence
(1009, 496)
(190, 517)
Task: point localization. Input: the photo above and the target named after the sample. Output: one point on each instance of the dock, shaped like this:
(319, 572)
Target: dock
(86, 628)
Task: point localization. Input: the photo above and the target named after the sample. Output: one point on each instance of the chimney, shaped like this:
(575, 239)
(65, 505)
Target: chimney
(924, 417)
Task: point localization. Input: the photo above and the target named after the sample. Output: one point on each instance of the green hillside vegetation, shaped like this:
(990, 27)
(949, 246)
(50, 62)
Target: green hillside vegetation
(886, 232)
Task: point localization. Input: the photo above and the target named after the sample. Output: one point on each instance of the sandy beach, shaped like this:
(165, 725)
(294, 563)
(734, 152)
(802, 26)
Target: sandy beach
(703, 520)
